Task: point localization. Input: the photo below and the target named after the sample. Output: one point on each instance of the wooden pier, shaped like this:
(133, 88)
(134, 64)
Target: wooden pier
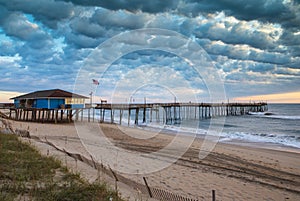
(165, 113)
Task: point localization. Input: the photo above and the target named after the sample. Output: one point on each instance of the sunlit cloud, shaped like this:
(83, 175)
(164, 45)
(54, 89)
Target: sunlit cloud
(291, 97)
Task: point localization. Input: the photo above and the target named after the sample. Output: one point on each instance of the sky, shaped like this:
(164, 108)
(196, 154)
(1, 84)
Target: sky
(188, 50)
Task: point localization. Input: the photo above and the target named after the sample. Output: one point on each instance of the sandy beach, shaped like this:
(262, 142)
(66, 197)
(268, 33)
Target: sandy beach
(234, 172)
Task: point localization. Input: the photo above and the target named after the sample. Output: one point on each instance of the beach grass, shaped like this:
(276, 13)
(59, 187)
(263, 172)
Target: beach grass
(27, 175)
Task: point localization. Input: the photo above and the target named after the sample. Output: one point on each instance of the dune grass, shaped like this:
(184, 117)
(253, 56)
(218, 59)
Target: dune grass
(27, 175)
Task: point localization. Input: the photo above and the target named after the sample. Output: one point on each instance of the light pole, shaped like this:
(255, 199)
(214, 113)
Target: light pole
(91, 98)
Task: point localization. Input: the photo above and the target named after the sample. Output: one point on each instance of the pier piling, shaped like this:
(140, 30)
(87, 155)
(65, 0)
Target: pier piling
(165, 113)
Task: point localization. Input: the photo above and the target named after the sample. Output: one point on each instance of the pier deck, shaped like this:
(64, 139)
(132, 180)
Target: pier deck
(165, 113)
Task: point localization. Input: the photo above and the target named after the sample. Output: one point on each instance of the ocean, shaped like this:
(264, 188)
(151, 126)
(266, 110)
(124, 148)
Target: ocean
(279, 126)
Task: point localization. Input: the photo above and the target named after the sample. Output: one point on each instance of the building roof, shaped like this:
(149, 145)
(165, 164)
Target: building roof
(52, 93)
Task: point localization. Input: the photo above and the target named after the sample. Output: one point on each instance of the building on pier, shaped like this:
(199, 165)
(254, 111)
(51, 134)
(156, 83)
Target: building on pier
(50, 99)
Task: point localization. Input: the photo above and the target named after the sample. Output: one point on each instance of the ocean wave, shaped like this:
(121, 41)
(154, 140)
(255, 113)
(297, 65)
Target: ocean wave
(274, 116)
(257, 113)
(283, 140)
(286, 140)
(283, 117)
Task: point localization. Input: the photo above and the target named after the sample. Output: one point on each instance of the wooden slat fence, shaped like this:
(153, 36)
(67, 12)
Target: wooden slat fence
(168, 196)
(156, 193)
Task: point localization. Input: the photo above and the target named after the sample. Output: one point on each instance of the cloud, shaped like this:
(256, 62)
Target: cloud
(255, 45)
(267, 11)
(135, 82)
(120, 19)
(153, 6)
(290, 97)
(30, 39)
(85, 27)
(11, 61)
(47, 11)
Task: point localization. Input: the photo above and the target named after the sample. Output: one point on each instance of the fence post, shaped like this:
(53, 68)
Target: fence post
(116, 181)
(213, 195)
(148, 188)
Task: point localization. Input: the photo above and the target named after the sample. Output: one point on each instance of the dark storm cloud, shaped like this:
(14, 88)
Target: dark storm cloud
(263, 10)
(242, 9)
(17, 25)
(286, 14)
(153, 6)
(47, 11)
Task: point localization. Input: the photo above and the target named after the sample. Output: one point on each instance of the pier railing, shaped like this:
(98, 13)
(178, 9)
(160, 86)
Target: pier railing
(166, 113)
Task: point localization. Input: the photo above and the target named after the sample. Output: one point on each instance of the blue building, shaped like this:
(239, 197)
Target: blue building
(50, 99)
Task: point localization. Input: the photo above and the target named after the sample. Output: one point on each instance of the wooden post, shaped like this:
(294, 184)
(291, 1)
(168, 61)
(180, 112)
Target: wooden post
(148, 188)
(213, 195)
(227, 109)
(103, 115)
(144, 114)
(43, 116)
(61, 114)
(32, 115)
(116, 179)
(121, 114)
(24, 113)
(170, 114)
(56, 115)
(93, 114)
(70, 116)
(20, 113)
(136, 116)
(157, 115)
(164, 111)
(167, 114)
(52, 118)
(175, 114)
(112, 115)
(76, 114)
(27, 114)
(129, 113)
(39, 116)
(48, 115)
(16, 114)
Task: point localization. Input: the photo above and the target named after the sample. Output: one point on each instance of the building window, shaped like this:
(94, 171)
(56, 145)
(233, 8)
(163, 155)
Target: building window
(74, 101)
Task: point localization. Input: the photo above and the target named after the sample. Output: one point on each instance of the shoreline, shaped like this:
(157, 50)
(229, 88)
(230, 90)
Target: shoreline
(237, 142)
(234, 171)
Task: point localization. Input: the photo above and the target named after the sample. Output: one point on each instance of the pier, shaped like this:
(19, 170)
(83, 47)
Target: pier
(165, 113)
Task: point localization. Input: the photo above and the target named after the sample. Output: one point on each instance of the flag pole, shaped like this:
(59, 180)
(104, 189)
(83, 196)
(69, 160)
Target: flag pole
(96, 82)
